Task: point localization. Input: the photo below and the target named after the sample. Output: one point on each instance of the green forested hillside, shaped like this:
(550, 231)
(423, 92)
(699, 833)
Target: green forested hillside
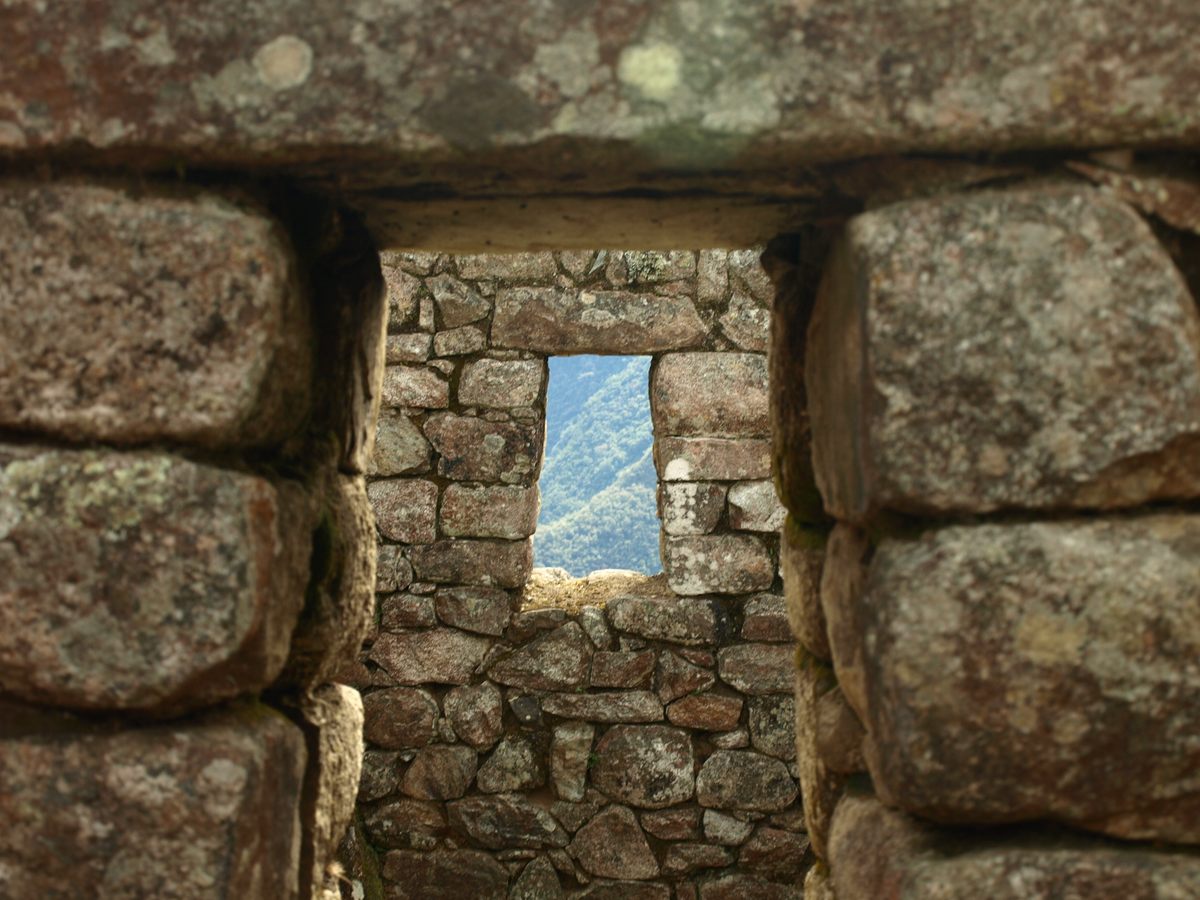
(598, 480)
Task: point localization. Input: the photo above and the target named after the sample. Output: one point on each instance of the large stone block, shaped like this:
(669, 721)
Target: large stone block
(717, 564)
(820, 787)
(675, 619)
(560, 320)
(711, 459)
(710, 394)
(473, 449)
(502, 384)
(405, 509)
(443, 875)
(690, 507)
(1055, 663)
(495, 511)
(801, 560)
(648, 766)
(1031, 348)
(206, 808)
(880, 854)
(744, 780)
(132, 314)
(440, 655)
(557, 661)
(502, 563)
(144, 581)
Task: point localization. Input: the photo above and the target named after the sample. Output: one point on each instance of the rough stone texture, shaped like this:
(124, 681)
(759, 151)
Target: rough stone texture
(623, 668)
(478, 562)
(459, 341)
(801, 559)
(612, 845)
(473, 449)
(558, 321)
(775, 854)
(476, 714)
(709, 395)
(443, 875)
(555, 661)
(458, 304)
(880, 854)
(839, 735)
(676, 676)
(764, 618)
(174, 585)
(753, 506)
(820, 786)
(962, 425)
(678, 620)
(135, 314)
(400, 611)
(726, 830)
(625, 890)
(404, 348)
(490, 511)
(502, 384)
(648, 766)
(679, 824)
(817, 884)
(537, 881)
(517, 764)
(405, 509)
(742, 779)
(611, 706)
(479, 609)
(708, 458)
(415, 387)
(506, 820)
(756, 668)
(706, 712)
(440, 772)
(400, 447)
(773, 725)
(717, 564)
(404, 823)
(570, 758)
(441, 656)
(1089, 635)
(399, 718)
(209, 807)
(735, 887)
(380, 775)
(687, 858)
(689, 507)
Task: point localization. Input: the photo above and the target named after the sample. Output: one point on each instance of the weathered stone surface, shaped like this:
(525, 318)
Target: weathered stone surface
(753, 506)
(676, 676)
(690, 507)
(399, 718)
(209, 807)
(1088, 629)
(817, 883)
(687, 858)
(737, 739)
(623, 668)
(476, 712)
(380, 775)
(678, 620)
(673, 824)
(625, 890)
(593, 621)
(717, 564)
(775, 855)
(743, 779)
(441, 655)
(443, 875)
(473, 449)
(537, 881)
(707, 712)
(710, 395)
(609, 706)
(747, 324)
(820, 787)
(559, 320)
(773, 724)
(490, 511)
(404, 293)
(1062, 274)
(339, 605)
(457, 303)
(400, 447)
(650, 267)
(502, 384)
(405, 509)
(533, 268)
(756, 668)
(400, 611)
(879, 854)
(839, 735)
(415, 387)
(459, 341)
(572, 815)
(505, 564)
(408, 348)
(405, 823)
(440, 772)
(746, 887)
(648, 766)
(133, 314)
(715, 459)
(764, 618)
(612, 845)
(506, 820)
(517, 764)
(570, 756)
(479, 609)
(553, 662)
(801, 558)
(726, 830)
(144, 581)
(392, 570)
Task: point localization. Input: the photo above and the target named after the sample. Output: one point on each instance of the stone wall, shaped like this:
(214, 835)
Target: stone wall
(187, 395)
(639, 748)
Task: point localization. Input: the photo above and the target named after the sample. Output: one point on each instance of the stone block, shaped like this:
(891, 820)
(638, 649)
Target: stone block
(711, 459)
(144, 581)
(609, 706)
(523, 268)
(444, 875)
(403, 291)
(506, 821)
(405, 509)
(537, 881)
(458, 303)
(717, 564)
(690, 507)
(392, 570)
(753, 506)
(706, 712)
(570, 757)
(880, 854)
(765, 618)
(650, 267)
(724, 829)
(679, 824)
(623, 668)
(647, 766)
(404, 823)
(476, 713)
(440, 772)
(380, 775)
(473, 449)
(744, 780)
(495, 511)
(747, 323)
(775, 855)
(675, 677)
(442, 655)
(399, 718)
(400, 611)
(206, 808)
(679, 620)
(559, 321)
(517, 764)
(459, 341)
(415, 387)
(772, 722)
(820, 786)
(502, 383)
(501, 563)
(133, 314)
(400, 446)
(801, 561)
(482, 610)
(1088, 633)
(1022, 349)
(710, 395)
(612, 845)
(556, 661)
(839, 735)
(408, 348)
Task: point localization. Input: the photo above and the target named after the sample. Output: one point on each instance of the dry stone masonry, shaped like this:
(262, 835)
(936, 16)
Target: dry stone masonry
(643, 746)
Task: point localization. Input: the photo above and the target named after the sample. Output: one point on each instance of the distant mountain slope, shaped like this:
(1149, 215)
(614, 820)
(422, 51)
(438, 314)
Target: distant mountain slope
(598, 480)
